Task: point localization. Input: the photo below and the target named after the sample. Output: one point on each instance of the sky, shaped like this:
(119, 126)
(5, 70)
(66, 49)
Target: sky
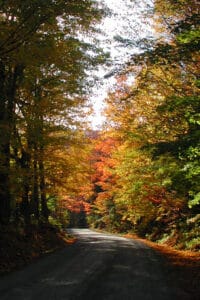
(121, 31)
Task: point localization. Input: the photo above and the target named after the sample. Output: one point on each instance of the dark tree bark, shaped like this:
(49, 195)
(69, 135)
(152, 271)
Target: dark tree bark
(8, 86)
(25, 203)
(35, 196)
(45, 211)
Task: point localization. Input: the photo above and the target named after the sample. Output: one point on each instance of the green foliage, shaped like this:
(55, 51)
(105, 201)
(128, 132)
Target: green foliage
(195, 200)
(189, 36)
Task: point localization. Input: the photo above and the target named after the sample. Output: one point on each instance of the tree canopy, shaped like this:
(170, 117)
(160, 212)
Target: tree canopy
(43, 89)
(156, 122)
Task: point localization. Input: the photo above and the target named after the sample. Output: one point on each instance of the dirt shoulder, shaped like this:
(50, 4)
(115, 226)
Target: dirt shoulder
(19, 248)
(184, 266)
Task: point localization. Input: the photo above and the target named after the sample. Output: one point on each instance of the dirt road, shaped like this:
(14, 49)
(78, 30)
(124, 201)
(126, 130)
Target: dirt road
(97, 266)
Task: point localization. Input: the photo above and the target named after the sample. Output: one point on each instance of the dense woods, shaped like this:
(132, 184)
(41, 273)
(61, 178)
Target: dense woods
(141, 172)
(152, 185)
(43, 84)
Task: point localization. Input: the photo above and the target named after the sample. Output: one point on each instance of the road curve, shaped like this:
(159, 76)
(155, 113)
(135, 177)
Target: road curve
(97, 266)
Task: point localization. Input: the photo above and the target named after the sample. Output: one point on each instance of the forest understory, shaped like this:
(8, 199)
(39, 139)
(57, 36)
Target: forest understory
(19, 247)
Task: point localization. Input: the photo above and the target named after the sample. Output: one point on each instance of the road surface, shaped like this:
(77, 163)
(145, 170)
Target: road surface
(97, 266)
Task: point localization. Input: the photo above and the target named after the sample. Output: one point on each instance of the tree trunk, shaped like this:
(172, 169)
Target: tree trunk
(25, 204)
(4, 151)
(45, 211)
(35, 196)
(8, 87)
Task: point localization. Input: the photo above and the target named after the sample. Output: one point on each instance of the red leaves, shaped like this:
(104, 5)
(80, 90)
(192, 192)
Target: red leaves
(75, 204)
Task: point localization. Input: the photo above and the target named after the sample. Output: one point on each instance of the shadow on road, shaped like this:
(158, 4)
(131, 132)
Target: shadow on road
(97, 266)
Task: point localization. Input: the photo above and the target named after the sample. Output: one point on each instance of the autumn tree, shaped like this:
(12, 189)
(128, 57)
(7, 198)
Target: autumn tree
(157, 119)
(43, 59)
(103, 213)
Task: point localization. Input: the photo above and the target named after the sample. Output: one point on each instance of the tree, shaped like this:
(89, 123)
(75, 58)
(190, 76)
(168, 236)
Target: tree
(103, 180)
(157, 120)
(42, 60)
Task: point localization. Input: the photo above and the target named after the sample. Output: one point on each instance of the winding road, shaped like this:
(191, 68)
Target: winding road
(97, 266)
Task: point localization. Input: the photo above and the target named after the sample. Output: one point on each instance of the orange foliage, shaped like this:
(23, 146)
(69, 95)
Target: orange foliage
(102, 160)
(103, 163)
(76, 204)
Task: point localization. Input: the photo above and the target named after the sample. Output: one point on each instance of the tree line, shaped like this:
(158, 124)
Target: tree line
(147, 162)
(43, 88)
